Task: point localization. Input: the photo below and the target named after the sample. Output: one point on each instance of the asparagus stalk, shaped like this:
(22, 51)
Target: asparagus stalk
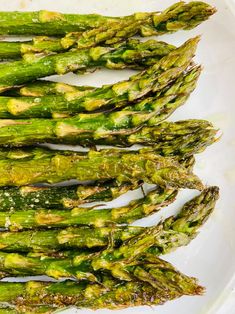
(132, 54)
(50, 166)
(181, 138)
(28, 219)
(179, 16)
(43, 45)
(33, 197)
(169, 284)
(153, 79)
(69, 238)
(122, 262)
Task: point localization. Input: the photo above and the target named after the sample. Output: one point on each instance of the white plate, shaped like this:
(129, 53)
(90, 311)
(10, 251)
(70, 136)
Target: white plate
(211, 256)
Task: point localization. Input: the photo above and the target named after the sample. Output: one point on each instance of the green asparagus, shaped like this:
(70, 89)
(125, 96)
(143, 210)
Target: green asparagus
(43, 46)
(66, 197)
(179, 16)
(122, 262)
(47, 218)
(178, 230)
(111, 34)
(153, 79)
(99, 128)
(161, 239)
(34, 197)
(72, 237)
(136, 270)
(144, 24)
(37, 165)
(131, 54)
(168, 139)
(127, 272)
(69, 238)
(181, 138)
(168, 283)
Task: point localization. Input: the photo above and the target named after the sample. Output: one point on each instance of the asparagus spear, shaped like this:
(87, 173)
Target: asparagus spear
(50, 166)
(28, 219)
(69, 238)
(110, 35)
(168, 284)
(132, 54)
(153, 79)
(33, 197)
(179, 16)
(168, 139)
(174, 232)
(122, 262)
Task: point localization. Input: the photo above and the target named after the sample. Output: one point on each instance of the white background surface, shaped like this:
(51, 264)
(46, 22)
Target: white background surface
(211, 256)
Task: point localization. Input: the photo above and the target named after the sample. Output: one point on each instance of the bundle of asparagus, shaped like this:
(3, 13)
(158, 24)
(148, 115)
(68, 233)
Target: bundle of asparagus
(115, 96)
(137, 273)
(111, 32)
(46, 230)
(139, 241)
